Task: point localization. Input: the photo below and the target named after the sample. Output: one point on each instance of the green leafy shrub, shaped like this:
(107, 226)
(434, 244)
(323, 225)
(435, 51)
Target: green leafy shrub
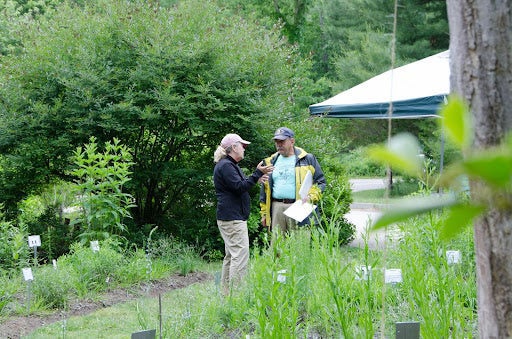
(357, 164)
(14, 250)
(335, 204)
(101, 177)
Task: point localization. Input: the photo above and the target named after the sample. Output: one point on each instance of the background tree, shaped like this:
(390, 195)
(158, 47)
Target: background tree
(168, 83)
(481, 68)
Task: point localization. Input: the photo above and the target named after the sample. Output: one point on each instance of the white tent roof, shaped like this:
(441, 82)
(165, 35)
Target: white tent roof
(416, 90)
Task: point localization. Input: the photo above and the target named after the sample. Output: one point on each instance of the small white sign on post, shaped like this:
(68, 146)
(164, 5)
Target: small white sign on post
(95, 246)
(393, 276)
(34, 241)
(453, 257)
(363, 272)
(281, 276)
(27, 274)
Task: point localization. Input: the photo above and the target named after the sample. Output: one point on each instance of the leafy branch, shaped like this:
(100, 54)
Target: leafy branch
(489, 171)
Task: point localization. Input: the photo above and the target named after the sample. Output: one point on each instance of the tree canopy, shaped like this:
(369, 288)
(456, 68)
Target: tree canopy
(168, 83)
(168, 79)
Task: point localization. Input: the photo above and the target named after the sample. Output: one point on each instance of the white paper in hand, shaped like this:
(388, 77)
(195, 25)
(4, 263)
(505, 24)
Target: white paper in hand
(299, 210)
(306, 185)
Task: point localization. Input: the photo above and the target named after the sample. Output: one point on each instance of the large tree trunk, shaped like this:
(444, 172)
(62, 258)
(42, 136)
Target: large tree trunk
(481, 72)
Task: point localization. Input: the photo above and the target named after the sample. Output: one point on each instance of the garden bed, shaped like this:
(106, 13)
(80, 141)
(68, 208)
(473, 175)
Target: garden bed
(15, 327)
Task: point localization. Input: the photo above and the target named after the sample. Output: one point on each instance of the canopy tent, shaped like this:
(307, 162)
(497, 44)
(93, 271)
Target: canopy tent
(415, 90)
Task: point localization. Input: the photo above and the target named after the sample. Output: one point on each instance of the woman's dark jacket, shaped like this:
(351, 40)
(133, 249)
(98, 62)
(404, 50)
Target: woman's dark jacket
(232, 190)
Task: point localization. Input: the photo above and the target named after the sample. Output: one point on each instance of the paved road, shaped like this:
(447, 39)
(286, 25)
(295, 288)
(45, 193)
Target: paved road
(362, 216)
(367, 184)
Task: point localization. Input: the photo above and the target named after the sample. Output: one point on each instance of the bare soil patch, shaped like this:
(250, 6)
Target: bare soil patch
(17, 326)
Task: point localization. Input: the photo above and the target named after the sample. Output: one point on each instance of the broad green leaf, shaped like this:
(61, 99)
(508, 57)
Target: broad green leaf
(495, 169)
(402, 153)
(410, 207)
(456, 121)
(459, 217)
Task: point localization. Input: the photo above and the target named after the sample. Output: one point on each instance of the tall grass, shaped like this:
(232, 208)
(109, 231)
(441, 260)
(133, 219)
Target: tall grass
(306, 285)
(85, 273)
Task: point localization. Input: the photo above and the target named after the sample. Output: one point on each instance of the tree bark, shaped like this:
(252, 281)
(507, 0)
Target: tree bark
(481, 72)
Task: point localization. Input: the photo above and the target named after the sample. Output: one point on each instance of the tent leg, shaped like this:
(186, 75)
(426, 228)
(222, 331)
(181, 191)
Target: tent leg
(389, 181)
(441, 162)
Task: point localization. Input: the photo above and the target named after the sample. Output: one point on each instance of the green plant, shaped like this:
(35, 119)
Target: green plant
(52, 287)
(277, 288)
(446, 297)
(14, 251)
(335, 203)
(322, 295)
(9, 286)
(491, 167)
(101, 177)
(93, 271)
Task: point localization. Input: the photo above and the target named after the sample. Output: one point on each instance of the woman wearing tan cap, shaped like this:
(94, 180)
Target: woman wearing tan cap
(233, 206)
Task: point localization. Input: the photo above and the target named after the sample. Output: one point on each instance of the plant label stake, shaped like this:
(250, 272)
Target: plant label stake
(148, 334)
(281, 276)
(407, 330)
(453, 257)
(393, 276)
(34, 241)
(95, 246)
(217, 279)
(27, 275)
(54, 262)
(363, 272)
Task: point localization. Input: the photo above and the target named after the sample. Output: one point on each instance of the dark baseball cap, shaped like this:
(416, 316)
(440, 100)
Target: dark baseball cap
(283, 133)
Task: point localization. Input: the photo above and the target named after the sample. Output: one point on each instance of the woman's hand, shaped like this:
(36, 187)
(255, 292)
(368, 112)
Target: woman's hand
(265, 169)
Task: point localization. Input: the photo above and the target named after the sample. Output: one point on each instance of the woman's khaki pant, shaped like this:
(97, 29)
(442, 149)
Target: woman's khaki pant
(236, 246)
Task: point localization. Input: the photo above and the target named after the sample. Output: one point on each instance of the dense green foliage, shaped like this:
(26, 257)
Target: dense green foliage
(167, 83)
(169, 79)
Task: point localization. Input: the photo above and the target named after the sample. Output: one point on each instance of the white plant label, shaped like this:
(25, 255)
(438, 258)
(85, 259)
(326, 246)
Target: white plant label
(393, 276)
(34, 241)
(363, 272)
(54, 262)
(27, 274)
(95, 246)
(281, 276)
(453, 257)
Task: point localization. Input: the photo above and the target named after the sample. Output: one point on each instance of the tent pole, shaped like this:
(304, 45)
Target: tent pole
(441, 161)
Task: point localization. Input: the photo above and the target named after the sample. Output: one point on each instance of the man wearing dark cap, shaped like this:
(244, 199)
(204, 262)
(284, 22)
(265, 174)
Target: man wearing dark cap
(291, 165)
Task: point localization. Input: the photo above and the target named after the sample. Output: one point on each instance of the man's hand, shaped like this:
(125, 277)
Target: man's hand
(263, 179)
